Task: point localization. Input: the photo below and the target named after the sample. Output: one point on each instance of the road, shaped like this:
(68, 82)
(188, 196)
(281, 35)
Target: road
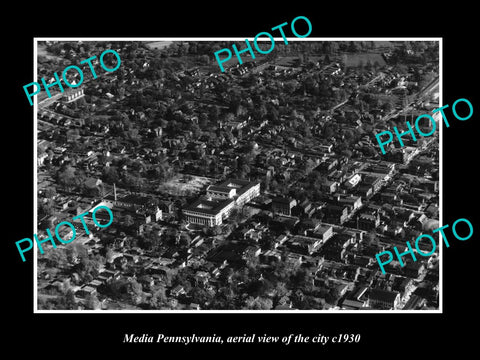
(424, 93)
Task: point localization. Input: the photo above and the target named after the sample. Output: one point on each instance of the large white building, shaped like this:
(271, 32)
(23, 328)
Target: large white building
(242, 191)
(208, 212)
(219, 201)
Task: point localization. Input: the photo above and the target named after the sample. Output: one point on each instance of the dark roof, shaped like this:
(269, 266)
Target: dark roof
(134, 199)
(282, 200)
(383, 295)
(219, 188)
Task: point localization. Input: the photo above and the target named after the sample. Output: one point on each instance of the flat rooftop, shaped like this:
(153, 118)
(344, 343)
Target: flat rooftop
(209, 207)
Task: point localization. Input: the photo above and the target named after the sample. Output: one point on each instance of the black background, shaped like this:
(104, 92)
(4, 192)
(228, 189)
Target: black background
(382, 334)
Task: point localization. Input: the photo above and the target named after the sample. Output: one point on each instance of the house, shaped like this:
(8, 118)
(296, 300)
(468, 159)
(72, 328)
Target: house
(336, 247)
(401, 284)
(293, 260)
(41, 159)
(177, 291)
(201, 278)
(399, 156)
(336, 214)
(374, 181)
(146, 281)
(166, 206)
(327, 166)
(304, 244)
(413, 269)
(270, 255)
(328, 186)
(283, 206)
(108, 275)
(383, 299)
(85, 291)
(92, 183)
(365, 191)
(368, 221)
(324, 232)
(194, 306)
(305, 208)
(415, 302)
(351, 304)
(353, 202)
(337, 176)
(353, 181)
(280, 240)
(95, 283)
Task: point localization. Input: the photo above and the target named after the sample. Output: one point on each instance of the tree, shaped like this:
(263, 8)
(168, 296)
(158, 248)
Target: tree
(244, 171)
(280, 290)
(128, 221)
(46, 208)
(69, 301)
(387, 107)
(185, 239)
(50, 192)
(352, 47)
(67, 177)
(135, 183)
(92, 302)
(368, 65)
(135, 292)
(332, 296)
(158, 299)
(200, 296)
(350, 134)
(300, 279)
(213, 231)
(372, 237)
(87, 268)
(109, 255)
(258, 303)
(328, 131)
(56, 259)
(291, 86)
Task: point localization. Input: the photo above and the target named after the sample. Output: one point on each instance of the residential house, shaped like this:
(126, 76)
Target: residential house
(328, 186)
(177, 291)
(335, 214)
(383, 299)
(368, 221)
(283, 206)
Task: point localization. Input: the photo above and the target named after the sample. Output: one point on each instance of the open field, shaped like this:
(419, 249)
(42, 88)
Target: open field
(185, 185)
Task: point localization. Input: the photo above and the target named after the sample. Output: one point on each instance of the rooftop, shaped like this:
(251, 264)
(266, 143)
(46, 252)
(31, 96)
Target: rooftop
(241, 186)
(208, 206)
(383, 295)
